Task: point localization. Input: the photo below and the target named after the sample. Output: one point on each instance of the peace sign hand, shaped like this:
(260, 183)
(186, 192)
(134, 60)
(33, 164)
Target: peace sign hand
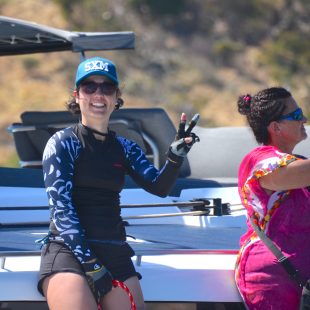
(185, 138)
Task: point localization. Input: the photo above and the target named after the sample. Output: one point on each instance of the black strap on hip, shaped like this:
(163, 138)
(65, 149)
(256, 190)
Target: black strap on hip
(287, 265)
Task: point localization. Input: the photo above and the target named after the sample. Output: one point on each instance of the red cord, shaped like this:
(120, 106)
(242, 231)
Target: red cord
(117, 283)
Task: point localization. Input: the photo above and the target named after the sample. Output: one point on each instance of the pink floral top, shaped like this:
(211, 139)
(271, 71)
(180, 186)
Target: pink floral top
(283, 215)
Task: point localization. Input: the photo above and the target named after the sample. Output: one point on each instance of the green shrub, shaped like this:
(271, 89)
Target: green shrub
(287, 56)
(223, 51)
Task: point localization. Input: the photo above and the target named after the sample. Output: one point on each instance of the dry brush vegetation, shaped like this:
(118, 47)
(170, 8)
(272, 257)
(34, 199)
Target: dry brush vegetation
(193, 56)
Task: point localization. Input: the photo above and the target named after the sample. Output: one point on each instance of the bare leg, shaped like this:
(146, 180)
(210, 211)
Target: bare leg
(68, 290)
(117, 299)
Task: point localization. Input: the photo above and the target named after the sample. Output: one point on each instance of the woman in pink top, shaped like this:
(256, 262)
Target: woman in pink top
(273, 188)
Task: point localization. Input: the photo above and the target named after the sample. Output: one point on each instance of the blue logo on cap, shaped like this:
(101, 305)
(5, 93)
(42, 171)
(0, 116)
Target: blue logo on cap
(96, 66)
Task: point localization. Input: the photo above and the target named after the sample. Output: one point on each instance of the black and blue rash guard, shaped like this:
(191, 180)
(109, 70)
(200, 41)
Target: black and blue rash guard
(84, 176)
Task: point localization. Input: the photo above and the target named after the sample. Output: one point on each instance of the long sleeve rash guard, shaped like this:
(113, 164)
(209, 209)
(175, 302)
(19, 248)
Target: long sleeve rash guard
(83, 177)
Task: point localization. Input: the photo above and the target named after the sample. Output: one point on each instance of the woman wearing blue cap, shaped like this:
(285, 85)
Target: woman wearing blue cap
(84, 169)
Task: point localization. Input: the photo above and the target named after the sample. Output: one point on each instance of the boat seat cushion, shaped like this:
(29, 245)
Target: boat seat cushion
(150, 128)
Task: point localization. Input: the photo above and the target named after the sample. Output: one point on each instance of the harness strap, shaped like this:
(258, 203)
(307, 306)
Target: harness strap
(282, 259)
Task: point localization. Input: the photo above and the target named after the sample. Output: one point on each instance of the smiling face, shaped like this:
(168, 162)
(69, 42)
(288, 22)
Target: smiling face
(96, 103)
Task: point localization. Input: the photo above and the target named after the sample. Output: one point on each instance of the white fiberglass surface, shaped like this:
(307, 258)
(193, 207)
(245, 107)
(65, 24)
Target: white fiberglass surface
(190, 261)
(227, 194)
(22, 196)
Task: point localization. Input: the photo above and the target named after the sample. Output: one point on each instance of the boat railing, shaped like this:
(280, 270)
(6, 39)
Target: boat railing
(198, 207)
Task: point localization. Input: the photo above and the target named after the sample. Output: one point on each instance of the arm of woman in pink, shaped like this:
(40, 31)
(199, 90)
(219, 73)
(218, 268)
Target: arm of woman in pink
(294, 175)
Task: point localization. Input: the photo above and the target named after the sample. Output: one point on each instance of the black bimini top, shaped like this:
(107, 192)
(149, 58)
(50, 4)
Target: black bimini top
(23, 37)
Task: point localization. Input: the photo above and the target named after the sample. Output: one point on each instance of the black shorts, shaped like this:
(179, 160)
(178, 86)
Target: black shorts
(57, 257)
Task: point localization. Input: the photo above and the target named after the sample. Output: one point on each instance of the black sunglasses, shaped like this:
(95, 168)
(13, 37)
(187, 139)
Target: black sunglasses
(90, 87)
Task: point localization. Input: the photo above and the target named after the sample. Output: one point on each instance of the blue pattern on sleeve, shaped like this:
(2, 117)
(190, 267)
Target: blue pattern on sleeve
(156, 182)
(59, 156)
(138, 161)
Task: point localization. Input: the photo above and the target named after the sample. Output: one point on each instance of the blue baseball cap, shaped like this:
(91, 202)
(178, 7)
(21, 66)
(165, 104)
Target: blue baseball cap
(96, 66)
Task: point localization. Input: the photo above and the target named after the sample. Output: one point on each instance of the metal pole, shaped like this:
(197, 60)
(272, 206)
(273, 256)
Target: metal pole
(164, 215)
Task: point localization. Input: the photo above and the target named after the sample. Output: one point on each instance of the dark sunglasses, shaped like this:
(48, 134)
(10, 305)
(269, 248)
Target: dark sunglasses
(91, 87)
(296, 115)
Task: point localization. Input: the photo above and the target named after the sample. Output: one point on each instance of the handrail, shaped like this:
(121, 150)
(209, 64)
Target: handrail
(145, 216)
(200, 207)
(203, 203)
(125, 218)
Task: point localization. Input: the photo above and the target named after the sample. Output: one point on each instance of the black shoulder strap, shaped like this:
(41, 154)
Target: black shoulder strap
(287, 265)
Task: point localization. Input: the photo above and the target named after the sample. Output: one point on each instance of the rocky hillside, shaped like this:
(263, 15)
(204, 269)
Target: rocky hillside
(191, 55)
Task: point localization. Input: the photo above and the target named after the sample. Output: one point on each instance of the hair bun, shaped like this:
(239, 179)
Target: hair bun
(244, 104)
(247, 98)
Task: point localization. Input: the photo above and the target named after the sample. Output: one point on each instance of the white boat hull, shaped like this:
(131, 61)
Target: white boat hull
(200, 276)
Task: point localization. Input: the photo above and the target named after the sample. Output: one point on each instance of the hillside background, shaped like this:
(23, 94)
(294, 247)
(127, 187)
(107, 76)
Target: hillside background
(191, 55)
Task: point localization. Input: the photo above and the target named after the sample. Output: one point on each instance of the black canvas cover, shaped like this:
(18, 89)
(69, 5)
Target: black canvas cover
(24, 37)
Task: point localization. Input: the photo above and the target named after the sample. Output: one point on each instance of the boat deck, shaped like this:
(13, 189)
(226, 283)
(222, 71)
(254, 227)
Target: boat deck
(193, 264)
(142, 237)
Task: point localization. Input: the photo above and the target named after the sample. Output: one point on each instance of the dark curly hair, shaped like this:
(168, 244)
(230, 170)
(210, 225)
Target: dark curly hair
(263, 108)
(74, 107)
